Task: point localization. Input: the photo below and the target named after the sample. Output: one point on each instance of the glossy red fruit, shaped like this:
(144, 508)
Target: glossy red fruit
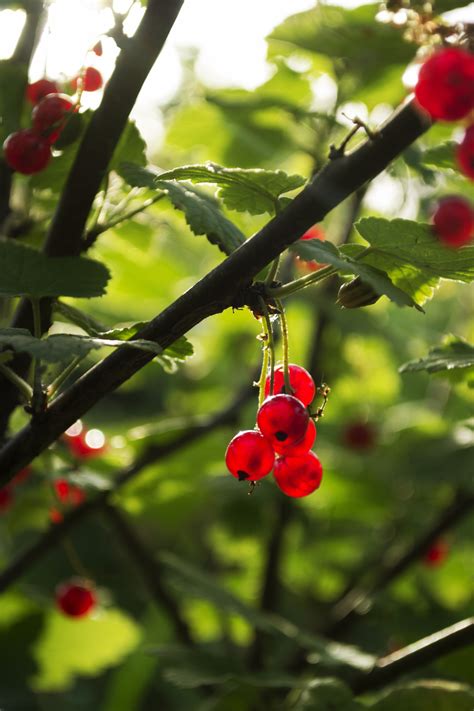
(299, 448)
(436, 555)
(312, 265)
(39, 89)
(300, 380)
(68, 493)
(91, 80)
(74, 599)
(80, 449)
(50, 115)
(283, 418)
(6, 498)
(445, 87)
(298, 476)
(249, 456)
(359, 436)
(465, 153)
(26, 151)
(453, 221)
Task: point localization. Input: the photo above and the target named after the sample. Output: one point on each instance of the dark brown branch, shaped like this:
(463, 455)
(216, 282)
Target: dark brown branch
(65, 235)
(393, 564)
(154, 453)
(411, 658)
(151, 571)
(223, 287)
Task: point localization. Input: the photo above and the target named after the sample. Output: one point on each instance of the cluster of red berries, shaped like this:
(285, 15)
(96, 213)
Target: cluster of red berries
(29, 150)
(282, 439)
(445, 89)
(76, 598)
(67, 495)
(83, 443)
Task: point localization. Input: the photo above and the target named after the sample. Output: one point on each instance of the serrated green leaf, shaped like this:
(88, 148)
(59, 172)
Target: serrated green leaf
(425, 696)
(442, 156)
(27, 272)
(327, 253)
(411, 256)
(454, 354)
(252, 190)
(78, 318)
(62, 347)
(13, 79)
(201, 211)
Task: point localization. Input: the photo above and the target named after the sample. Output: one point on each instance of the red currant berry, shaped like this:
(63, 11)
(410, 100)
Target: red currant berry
(283, 418)
(445, 87)
(298, 476)
(55, 515)
(6, 498)
(26, 151)
(249, 456)
(98, 49)
(61, 487)
(21, 476)
(86, 444)
(436, 555)
(301, 383)
(465, 153)
(75, 600)
(311, 266)
(90, 80)
(51, 114)
(359, 436)
(299, 448)
(453, 221)
(39, 89)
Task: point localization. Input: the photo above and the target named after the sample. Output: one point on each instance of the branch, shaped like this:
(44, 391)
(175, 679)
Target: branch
(65, 235)
(152, 454)
(151, 571)
(416, 655)
(393, 565)
(224, 286)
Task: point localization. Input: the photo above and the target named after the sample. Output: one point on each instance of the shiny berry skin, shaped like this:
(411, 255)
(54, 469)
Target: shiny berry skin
(27, 152)
(39, 89)
(283, 418)
(301, 383)
(436, 555)
(51, 114)
(6, 498)
(465, 153)
(299, 448)
(249, 456)
(359, 436)
(75, 600)
(445, 87)
(453, 221)
(89, 80)
(312, 265)
(298, 476)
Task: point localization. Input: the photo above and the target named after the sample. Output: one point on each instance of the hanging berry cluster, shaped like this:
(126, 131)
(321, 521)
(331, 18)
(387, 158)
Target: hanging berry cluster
(285, 429)
(445, 90)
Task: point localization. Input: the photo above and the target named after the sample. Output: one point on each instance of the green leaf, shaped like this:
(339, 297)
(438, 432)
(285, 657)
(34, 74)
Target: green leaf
(327, 253)
(88, 647)
(27, 272)
(252, 190)
(326, 695)
(442, 156)
(454, 354)
(411, 256)
(63, 347)
(202, 212)
(13, 80)
(130, 149)
(78, 318)
(425, 696)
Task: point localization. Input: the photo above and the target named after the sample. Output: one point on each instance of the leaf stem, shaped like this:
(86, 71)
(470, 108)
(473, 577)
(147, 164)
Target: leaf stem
(25, 389)
(293, 286)
(54, 386)
(272, 272)
(97, 230)
(285, 343)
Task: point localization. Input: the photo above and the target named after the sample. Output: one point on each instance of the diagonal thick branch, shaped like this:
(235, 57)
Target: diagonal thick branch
(223, 287)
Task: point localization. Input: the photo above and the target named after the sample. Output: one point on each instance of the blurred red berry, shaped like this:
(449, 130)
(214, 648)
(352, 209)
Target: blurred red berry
(6, 498)
(55, 515)
(98, 49)
(298, 476)
(79, 447)
(39, 89)
(21, 476)
(312, 265)
(75, 600)
(445, 87)
(465, 153)
(90, 79)
(436, 555)
(359, 436)
(68, 493)
(249, 456)
(27, 152)
(453, 221)
(300, 380)
(50, 115)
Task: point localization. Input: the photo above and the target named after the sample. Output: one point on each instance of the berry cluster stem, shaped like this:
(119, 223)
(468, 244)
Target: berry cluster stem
(286, 347)
(25, 389)
(268, 353)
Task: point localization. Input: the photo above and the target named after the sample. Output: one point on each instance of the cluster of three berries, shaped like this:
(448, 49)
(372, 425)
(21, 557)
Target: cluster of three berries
(283, 439)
